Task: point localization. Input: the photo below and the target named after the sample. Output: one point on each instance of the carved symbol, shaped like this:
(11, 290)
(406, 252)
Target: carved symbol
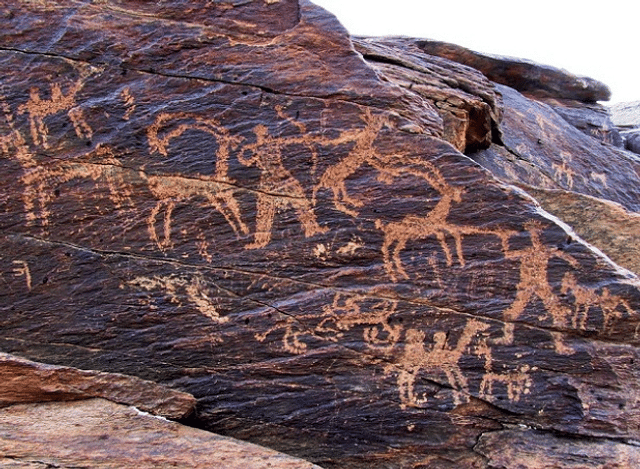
(586, 298)
(291, 339)
(345, 313)
(22, 269)
(278, 189)
(533, 282)
(218, 190)
(194, 290)
(129, 103)
(439, 358)
(38, 109)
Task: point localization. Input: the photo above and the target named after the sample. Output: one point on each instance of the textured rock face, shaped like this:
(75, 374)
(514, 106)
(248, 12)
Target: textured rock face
(24, 381)
(626, 116)
(229, 200)
(101, 434)
(531, 79)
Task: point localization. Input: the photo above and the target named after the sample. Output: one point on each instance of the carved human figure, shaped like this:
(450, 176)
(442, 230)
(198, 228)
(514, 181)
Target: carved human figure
(38, 109)
(278, 189)
(534, 262)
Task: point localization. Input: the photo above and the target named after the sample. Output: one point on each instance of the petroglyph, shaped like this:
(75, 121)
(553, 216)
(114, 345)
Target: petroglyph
(278, 189)
(100, 166)
(21, 269)
(517, 383)
(413, 227)
(612, 306)
(534, 261)
(171, 190)
(364, 152)
(599, 177)
(169, 126)
(291, 342)
(440, 358)
(14, 140)
(345, 313)
(563, 171)
(38, 109)
(129, 103)
(194, 291)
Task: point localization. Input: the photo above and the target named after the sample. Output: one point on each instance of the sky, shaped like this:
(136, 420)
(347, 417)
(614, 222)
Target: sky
(600, 39)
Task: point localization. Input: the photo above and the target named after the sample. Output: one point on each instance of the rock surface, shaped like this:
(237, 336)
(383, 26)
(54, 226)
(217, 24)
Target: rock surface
(470, 108)
(100, 434)
(24, 381)
(228, 199)
(626, 116)
(532, 79)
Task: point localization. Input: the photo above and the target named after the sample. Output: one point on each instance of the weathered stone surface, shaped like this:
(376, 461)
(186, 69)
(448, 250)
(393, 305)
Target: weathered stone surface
(604, 224)
(531, 449)
(467, 102)
(592, 119)
(632, 141)
(228, 200)
(542, 150)
(25, 381)
(100, 434)
(530, 78)
(626, 115)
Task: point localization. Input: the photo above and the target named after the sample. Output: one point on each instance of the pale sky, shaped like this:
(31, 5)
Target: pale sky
(597, 39)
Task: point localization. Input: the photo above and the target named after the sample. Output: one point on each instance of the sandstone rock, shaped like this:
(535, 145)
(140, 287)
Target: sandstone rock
(24, 381)
(592, 119)
(626, 115)
(542, 150)
(467, 102)
(530, 78)
(531, 449)
(226, 199)
(100, 434)
(604, 224)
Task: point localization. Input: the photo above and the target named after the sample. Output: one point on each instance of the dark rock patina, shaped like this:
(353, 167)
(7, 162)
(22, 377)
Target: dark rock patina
(226, 198)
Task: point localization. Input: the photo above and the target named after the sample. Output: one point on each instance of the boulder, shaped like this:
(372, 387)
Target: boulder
(592, 119)
(632, 141)
(626, 115)
(470, 108)
(530, 78)
(543, 150)
(229, 200)
(101, 434)
(25, 381)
